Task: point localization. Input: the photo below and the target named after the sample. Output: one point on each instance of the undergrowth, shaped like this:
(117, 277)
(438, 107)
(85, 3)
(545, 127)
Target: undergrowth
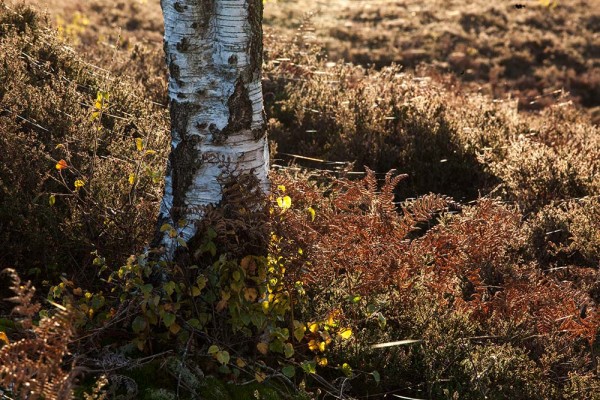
(331, 286)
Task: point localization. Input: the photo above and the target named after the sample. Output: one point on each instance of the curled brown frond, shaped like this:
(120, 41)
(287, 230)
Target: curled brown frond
(24, 292)
(33, 367)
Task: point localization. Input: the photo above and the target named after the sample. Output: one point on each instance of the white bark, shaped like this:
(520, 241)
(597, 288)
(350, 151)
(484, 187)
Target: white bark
(214, 53)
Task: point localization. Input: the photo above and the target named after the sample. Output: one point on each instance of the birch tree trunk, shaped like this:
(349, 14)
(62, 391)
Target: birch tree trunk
(214, 54)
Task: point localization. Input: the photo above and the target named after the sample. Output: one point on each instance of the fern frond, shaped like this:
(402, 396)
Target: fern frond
(33, 367)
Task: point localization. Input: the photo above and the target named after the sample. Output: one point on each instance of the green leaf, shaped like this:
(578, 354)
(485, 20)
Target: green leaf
(381, 320)
(195, 323)
(97, 302)
(139, 324)
(168, 319)
(201, 282)
(147, 288)
(211, 233)
(182, 242)
(376, 376)
(223, 357)
(52, 200)
(288, 350)
(310, 367)
(289, 371)
(299, 332)
(169, 287)
(196, 291)
(346, 369)
(354, 299)
(276, 346)
(214, 349)
(237, 276)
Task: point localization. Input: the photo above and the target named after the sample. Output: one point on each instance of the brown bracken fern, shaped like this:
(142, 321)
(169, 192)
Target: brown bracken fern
(32, 367)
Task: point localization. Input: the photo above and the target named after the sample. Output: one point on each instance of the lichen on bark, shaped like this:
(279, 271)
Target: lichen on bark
(240, 113)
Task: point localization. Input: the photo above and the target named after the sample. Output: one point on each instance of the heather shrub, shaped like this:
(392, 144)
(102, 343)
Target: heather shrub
(533, 53)
(380, 119)
(82, 155)
(455, 286)
(341, 287)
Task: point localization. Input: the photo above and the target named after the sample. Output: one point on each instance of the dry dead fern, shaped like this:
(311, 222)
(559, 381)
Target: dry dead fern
(33, 366)
(357, 229)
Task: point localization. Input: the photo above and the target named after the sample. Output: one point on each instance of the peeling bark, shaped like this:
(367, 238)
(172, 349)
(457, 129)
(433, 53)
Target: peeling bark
(213, 50)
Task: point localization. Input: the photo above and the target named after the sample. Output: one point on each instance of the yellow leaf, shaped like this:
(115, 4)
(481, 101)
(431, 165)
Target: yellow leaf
(175, 328)
(313, 327)
(139, 144)
(250, 294)
(312, 213)
(196, 291)
(131, 178)
(263, 348)
(265, 306)
(313, 345)
(260, 377)
(322, 346)
(150, 152)
(281, 188)
(62, 164)
(322, 361)
(240, 363)
(4, 338)
(165, 227)
(284, 202)
(79, 184)
(52, 200)
(346, 333)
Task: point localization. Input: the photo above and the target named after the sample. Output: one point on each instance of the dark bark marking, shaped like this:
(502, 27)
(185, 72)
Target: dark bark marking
(185, 161)
(259, 133)
(240, 113)
(232, 60)
(183, 45)
(181, 112)
(212, 128)
(206, 11)
(255, 16)
(175, 72)
(179, 7)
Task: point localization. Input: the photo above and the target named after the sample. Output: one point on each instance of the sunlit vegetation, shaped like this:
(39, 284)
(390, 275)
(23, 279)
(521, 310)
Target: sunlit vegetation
(420, 238)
